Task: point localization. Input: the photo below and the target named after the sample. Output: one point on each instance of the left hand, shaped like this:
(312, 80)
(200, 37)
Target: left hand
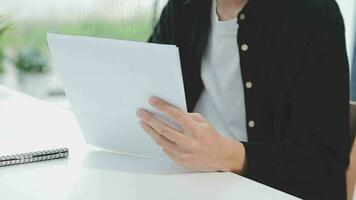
(198, 146)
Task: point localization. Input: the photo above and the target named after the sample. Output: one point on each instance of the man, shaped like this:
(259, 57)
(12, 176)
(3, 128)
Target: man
(270, 81)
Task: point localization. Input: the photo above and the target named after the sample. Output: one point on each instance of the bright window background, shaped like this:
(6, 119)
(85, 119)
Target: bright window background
(348, 9)
(24, 57)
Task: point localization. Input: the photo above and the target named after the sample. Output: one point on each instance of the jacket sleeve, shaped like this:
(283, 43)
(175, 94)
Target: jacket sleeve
(312, 160)
(162, 33)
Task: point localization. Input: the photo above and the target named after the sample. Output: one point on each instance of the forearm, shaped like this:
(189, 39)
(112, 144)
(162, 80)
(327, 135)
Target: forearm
(352, 119)
(236, 157)
(351, 173)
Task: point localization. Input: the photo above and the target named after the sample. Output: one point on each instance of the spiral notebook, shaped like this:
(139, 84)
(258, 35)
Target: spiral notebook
(35, 156)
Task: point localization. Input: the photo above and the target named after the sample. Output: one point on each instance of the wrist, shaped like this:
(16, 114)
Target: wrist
(236, 161)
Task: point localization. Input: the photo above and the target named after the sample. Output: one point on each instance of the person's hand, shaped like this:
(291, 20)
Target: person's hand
(198, 146)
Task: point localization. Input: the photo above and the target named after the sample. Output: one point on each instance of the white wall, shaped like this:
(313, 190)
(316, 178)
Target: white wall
(348, 9)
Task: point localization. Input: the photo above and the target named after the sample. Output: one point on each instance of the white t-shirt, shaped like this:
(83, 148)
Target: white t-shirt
(222, 102)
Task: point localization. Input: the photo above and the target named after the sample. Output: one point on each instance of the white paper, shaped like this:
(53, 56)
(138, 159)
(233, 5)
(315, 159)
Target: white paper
(107, 81)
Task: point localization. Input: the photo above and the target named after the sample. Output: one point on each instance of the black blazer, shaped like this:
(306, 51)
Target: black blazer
(299, 103)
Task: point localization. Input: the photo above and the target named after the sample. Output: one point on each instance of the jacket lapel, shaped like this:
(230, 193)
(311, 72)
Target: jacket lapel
(201, 27)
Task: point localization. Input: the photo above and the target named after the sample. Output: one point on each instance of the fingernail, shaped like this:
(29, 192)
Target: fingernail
(139, 113)
(153, 100)
(141, 123)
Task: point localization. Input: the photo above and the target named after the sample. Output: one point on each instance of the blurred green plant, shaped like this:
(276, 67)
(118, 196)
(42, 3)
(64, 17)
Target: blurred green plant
(30, 60)
(34, 34)
(4, 26)
(2, 68)
(23, 35)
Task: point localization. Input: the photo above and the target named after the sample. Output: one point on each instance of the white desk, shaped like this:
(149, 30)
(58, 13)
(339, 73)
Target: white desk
(94, 174)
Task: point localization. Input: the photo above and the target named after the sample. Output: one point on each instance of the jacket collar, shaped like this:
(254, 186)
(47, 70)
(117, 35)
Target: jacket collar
(256, 9)
(260, 11)
(187, 1)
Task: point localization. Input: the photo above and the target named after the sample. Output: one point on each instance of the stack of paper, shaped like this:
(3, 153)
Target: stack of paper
(107, 81)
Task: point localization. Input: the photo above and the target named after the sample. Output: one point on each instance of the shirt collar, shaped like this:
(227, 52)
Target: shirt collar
(187, 1)
(258, 10)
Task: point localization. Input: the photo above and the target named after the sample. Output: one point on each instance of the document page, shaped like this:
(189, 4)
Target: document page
(107, 81)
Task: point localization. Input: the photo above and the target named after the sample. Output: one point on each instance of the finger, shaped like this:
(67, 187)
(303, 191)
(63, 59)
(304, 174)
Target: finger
(170, 154)
(174, 157)
(183, 162)
(197, 117)
(161, 141)
(173, 112)
(162, 128)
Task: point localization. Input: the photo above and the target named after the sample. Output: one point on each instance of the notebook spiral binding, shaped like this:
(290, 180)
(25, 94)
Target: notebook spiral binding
(31, 157)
